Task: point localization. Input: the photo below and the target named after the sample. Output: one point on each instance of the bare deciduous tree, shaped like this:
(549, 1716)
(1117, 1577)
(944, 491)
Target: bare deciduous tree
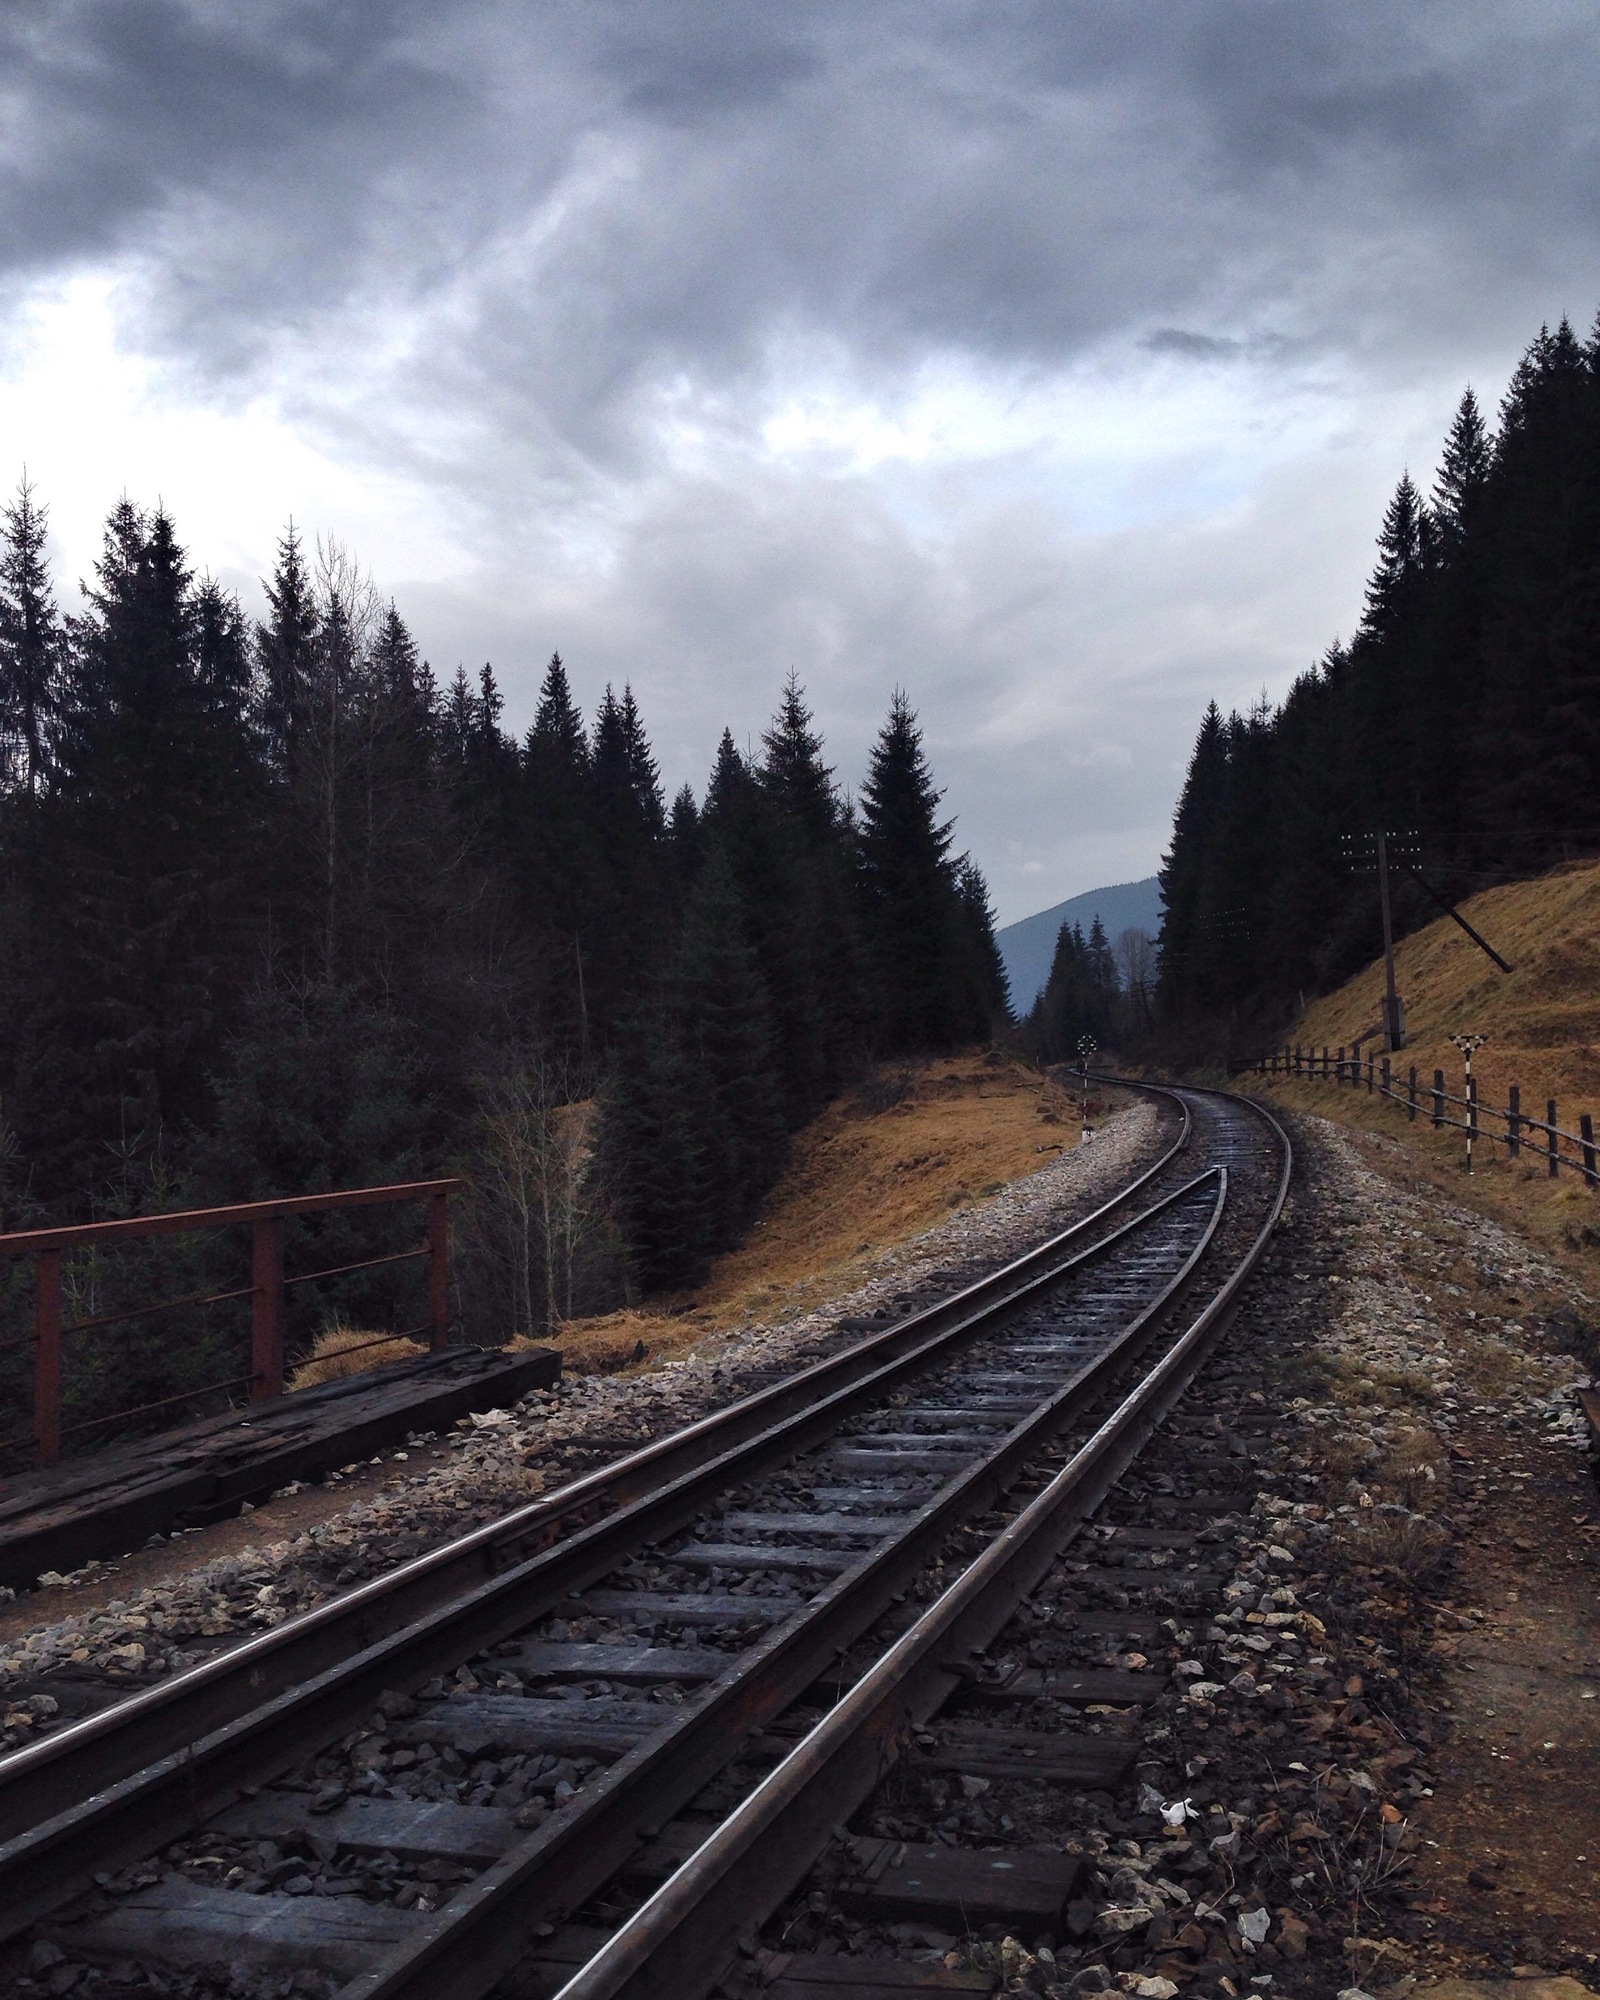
(1136, 967)
(538, 1209)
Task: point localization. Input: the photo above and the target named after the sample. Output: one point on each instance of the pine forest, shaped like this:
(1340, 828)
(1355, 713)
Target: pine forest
(280, 913)
(1462, 718)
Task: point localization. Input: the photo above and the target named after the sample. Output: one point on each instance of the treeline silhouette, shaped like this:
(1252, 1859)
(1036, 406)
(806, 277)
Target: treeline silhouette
(1465, 712)
(1096, 993)
(280, 913)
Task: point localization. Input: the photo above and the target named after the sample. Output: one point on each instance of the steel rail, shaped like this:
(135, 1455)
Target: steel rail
(677, 1945)
(485, 1928)
(56, 1855)
(107, 1747)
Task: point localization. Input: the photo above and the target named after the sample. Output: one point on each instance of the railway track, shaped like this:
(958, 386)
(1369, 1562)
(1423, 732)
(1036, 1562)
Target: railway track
(686, 1670)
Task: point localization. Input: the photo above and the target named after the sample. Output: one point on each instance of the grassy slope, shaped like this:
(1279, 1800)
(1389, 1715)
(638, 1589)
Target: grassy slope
(1543, 1024)
(859, 1180)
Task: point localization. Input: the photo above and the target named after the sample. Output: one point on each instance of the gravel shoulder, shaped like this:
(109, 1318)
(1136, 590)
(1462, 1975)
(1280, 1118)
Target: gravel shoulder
(1389, 1724)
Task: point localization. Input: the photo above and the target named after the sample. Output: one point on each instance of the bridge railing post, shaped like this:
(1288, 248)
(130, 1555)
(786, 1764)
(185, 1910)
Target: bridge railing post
(47, 1356)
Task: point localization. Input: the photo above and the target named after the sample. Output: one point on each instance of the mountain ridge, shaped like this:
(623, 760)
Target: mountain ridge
(1027, 946)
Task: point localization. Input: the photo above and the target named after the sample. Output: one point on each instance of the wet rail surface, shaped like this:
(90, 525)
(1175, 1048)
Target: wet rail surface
(450, 1802)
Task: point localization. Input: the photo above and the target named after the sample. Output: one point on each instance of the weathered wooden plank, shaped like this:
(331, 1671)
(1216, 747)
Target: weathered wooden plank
(853, 1458)
(1116, 1685)
(411, 1829)
(763, 1555)
(819, 1525)
(1141, 1625)
(813, 1977)
(964, 1890)
(182, 1923)
(636, 1666)
(693, 1607)
(1086, 1763)
(61, 1517)
(487, 1723)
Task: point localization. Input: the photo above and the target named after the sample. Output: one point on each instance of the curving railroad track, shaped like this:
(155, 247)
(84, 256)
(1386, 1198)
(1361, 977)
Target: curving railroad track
(595, 1744)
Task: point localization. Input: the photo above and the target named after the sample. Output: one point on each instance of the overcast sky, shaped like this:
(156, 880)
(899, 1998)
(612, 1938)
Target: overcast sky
(1052, 360)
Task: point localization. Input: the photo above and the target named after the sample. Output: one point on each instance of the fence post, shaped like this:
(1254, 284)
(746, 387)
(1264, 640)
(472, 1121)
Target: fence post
(439, 1270)
(266, 1308)
(1514, 1121)
(1327, 1060)
(1411, 1095)
(1438, 1099)
(1472, 1117)
(1369, 1074)
(1338, 1072)
(1586, 1127)
(1555, 1143)
(1383, 1077)
(47, 1356)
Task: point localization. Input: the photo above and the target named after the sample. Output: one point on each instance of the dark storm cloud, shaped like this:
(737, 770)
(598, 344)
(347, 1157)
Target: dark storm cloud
(553, 264)
(1011, 181)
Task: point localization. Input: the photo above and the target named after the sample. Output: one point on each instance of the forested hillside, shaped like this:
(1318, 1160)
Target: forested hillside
(279, 912)
(1464, 710)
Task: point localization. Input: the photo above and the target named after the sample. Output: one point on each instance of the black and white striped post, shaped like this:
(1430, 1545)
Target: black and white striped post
(1466, 1044)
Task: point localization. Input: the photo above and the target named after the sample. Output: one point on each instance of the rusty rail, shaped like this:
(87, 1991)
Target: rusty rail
(1347, 1065)
(266, 1288)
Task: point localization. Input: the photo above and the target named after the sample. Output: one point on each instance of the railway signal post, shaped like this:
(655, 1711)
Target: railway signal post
(1086, 1048)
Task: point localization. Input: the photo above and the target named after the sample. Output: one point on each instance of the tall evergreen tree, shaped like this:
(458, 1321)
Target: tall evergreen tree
(32, 646)
(912, 907)
(158, 796)
(1463, 476)
(285, 647)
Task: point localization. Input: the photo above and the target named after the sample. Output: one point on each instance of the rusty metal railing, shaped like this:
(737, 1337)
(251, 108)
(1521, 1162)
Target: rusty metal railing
(47, 1248)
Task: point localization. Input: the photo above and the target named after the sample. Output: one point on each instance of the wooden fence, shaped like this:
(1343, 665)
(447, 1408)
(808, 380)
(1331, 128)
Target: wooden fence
(1510, 1126)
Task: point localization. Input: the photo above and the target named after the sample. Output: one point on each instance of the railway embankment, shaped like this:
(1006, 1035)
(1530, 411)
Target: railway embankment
(1540, 1024)
(1309, 1709)
(121, 1626)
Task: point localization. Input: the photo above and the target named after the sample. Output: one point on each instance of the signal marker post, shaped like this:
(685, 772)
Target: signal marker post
(1086, 1048)
(1466, 1044)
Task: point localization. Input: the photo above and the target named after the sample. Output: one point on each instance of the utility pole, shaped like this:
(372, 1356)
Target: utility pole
(1394, 1013)
(1369, 854)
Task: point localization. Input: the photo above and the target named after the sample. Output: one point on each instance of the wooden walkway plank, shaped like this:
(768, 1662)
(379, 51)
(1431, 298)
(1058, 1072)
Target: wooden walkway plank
(115, 1500)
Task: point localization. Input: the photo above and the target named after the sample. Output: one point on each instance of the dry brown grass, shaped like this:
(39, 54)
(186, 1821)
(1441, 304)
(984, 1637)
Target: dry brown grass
(332, 1358)
(1543, 1023)
(882, 1164)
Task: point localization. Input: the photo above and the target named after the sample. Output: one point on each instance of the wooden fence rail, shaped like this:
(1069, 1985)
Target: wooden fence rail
(1349, 1066)
(266, 1288)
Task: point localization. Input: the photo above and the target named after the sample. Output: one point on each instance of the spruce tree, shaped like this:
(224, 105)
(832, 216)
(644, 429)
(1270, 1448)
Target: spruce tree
(724, 1026)
(32, 646)
(158, 784)
(1186, 868)
(911, 899)
(284, 648)
(1463, 476)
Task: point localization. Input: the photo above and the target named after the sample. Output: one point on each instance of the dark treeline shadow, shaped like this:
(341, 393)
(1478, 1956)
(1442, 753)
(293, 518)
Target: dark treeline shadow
(1464, 714)
(279, 913)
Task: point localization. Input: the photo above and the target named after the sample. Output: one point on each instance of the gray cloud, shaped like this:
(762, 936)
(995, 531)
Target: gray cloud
(1015, 180)
(516, 252)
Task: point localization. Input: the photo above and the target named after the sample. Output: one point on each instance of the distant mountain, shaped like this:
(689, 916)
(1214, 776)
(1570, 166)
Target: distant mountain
(1027, 947)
